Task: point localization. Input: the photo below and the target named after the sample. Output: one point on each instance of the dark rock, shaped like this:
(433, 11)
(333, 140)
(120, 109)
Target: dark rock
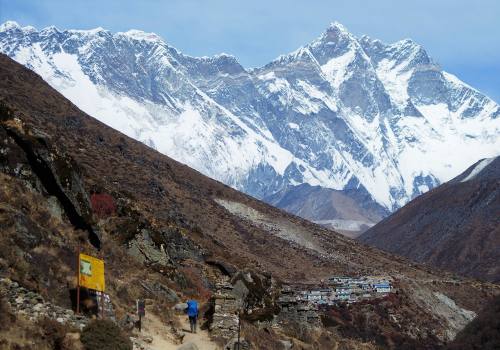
(226, 268)
(161, 291)
(57, 172)
(234, 344)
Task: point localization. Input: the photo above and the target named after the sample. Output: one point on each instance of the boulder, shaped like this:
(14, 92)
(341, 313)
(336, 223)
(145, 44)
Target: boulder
(147, 339)
(287, 344)
(180, 307)
(188, 346)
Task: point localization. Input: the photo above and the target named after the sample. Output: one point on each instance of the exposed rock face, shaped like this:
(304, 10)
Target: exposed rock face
(162, 292)
(188, 346)
(49, 169)
(482, 332)
(455, 227)
(143, 249)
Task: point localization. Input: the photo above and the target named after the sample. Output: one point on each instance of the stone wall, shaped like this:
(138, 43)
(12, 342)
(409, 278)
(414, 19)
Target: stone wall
(297, 311)
(225, 318)
(33, 306)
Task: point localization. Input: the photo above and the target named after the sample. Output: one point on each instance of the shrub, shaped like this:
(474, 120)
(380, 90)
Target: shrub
(5, 111)
(103, 205)
(53, 332)
(6, 315)
(195, 281)
(104, 335)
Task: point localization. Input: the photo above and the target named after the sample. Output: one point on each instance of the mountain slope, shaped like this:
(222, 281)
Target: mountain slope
(71, 183)
(456, 226)
(353, 210)
(343, 113)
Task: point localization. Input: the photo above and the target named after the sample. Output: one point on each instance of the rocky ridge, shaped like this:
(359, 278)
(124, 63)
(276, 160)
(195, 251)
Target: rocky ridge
(372, 120)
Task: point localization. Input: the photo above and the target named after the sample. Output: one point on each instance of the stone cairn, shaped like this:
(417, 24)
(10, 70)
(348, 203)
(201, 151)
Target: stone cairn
(225, 318)
(292, 309)
(33, 306)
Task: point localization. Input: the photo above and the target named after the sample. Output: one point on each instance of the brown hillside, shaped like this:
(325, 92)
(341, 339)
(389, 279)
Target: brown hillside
(454, 227)
(67, 180)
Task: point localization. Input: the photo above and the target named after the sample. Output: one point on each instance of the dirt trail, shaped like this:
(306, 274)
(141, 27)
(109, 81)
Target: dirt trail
(163, 339)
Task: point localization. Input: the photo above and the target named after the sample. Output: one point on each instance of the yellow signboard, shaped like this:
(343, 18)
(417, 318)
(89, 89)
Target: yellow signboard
(91, 273)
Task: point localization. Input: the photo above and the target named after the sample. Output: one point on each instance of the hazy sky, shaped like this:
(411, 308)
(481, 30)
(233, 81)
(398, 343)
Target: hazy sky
(463, 36)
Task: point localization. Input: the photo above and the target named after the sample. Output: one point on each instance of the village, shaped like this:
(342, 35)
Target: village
(340, 289)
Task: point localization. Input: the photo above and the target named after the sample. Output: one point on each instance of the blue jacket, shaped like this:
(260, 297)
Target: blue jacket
(192, 309)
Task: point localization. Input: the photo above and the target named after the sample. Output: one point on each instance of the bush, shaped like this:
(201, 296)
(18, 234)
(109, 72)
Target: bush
(53, 332)
(103, 205)
(6, 315)
(104, 335)
(194, 281)
(5, 112)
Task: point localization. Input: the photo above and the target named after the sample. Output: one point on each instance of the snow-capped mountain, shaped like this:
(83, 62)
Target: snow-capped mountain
(342, 113)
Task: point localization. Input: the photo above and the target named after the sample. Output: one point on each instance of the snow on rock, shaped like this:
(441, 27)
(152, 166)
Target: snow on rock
(478, 168)
(341, 112)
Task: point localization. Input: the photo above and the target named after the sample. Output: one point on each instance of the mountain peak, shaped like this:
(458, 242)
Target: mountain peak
(221, 56)
(50, 29)
(337, 27)
(407, 42)
(327, 114)
(93, 31)
(9, 25)
(13, 25)
(140, 35)
(334, 33)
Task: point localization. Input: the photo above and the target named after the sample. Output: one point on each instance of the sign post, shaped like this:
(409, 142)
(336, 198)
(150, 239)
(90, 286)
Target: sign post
(91, 273)
(91, 276)
(141, 311)
(78, 282)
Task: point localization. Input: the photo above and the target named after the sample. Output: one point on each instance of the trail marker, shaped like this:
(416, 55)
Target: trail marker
(90, 274)
(141, 310)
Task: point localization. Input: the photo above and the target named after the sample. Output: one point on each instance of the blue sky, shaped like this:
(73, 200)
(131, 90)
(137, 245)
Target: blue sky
(463, 36)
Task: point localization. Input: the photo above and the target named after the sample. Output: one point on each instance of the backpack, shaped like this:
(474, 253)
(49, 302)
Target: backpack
(192, 309)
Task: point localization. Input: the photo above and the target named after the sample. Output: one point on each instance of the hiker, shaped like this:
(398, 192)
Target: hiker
(192, 312)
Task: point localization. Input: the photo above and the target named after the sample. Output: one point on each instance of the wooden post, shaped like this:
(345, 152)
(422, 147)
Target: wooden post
(239, 330)
(102, 292)
(78, 281)
(102, 301)
(140, 305)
